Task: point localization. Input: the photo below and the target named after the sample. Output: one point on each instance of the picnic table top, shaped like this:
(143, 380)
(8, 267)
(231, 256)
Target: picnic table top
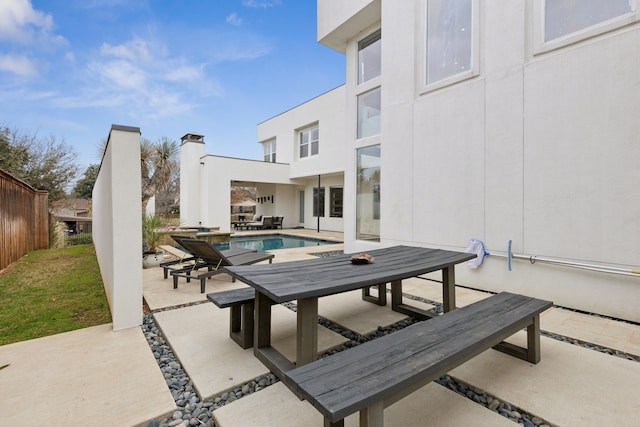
(324, 276)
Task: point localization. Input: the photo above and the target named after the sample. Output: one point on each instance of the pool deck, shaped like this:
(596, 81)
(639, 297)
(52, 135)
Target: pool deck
(98, 377)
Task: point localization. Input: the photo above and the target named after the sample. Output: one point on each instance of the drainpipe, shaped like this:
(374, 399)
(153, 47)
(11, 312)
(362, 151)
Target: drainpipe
(318, 203)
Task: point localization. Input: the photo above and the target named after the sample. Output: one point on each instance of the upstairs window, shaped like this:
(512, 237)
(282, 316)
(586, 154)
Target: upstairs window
(559, 23)
(269, 151)
(449, 39)
(369, 62)
(309, 141)
(563, 17)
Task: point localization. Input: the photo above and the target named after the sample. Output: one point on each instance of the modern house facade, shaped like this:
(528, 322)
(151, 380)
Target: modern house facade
(511, 122)
(301, 147)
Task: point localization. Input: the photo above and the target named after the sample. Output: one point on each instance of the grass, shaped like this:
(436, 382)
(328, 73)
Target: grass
(52, 291)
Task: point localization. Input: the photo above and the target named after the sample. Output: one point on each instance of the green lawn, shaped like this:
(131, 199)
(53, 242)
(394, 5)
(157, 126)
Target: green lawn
(51, 291)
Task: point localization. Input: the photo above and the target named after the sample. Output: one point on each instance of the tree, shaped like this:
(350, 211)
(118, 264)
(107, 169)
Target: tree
(45, 164)
(84, 186)
(168, 199)
(158, 161)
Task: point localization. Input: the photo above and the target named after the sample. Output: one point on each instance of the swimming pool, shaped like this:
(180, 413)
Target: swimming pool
(267, 242)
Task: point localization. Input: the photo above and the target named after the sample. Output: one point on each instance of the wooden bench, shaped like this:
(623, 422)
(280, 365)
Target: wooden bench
(241, 303)
(374, 375)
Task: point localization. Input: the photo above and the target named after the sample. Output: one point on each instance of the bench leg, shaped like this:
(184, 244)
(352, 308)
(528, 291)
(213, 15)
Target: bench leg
(328, 423)
(241, 324)
(532, 352)
(382, 294)
(373, 416)
(175, 282)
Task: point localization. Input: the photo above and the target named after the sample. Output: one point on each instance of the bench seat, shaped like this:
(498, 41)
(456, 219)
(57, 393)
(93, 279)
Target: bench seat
(241, 304)
(369, 377)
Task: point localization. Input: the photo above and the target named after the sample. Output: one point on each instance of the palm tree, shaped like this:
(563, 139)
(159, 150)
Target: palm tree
(158, 160)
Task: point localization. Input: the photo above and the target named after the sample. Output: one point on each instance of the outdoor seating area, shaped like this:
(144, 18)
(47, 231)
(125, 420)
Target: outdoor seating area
(571, 385)
(532, 387)
(265, 222)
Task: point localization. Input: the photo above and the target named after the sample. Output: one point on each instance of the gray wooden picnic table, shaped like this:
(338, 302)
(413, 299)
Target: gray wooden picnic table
(307, 280)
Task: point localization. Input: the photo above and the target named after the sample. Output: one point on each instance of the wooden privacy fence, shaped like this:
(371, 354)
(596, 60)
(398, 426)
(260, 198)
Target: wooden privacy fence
(24, 219)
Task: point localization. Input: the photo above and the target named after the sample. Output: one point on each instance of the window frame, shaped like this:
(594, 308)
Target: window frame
(372, 38)
(269, 151)
(336, 207)
(422, 58)
(309, 144)
(368, 204)
(358, 98)
(539, 27)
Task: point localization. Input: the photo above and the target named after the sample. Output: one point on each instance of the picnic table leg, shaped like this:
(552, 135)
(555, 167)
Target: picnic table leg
(448, 289)
(396, 295)
(307, 331)
(262, 321)
(373, 416)
(533, 340)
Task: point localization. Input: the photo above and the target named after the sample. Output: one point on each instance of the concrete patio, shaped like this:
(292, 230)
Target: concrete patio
(102, 378)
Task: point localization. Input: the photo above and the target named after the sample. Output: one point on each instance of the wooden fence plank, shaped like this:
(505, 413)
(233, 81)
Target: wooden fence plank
(24, 219)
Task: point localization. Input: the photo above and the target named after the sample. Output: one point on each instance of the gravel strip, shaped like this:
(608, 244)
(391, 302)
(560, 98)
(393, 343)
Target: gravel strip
(191, 409)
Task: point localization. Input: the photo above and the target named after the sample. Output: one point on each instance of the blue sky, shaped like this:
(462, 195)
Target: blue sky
(73, 68)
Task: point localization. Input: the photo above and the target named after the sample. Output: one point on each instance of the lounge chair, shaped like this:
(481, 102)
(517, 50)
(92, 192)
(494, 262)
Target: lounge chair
(277, 222)
(265, 222)
(190, 261)
(215, 261)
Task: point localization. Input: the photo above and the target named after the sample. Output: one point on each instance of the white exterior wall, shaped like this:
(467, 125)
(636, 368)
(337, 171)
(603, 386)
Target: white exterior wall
(338, 18)
(216, 177)
(117, 226)
(191, 153)
(538, 149)
(327, 111)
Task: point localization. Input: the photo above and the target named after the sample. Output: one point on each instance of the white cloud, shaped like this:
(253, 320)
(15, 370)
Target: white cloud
(133, 50)
(21, 23)
(120, 73)
(20, 65)
(263, 4)
(184, 73)
(234, 19)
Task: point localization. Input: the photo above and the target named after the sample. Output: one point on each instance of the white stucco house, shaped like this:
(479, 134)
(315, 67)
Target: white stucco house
(300, 146)
(512, 122)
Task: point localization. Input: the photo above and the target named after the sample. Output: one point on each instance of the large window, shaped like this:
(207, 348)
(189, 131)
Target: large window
(368, 194)
(318, 202)
(335, 196)
(559, 23)
(562, 17)
(449, 39)
(309, 141)
(369, 61)
(269, 151)
(369, 113)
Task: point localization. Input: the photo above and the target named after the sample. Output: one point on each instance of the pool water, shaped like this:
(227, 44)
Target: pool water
(267, 242)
